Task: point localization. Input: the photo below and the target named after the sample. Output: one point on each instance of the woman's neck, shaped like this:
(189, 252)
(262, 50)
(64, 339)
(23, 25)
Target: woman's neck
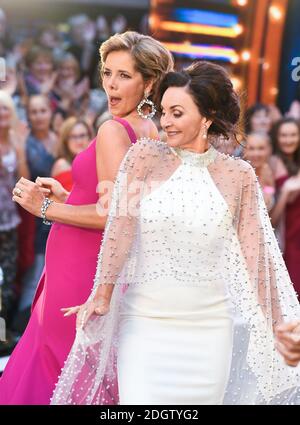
(41, 134)
(131, 116)
(289, 157)
(258, 171)
(197, 146)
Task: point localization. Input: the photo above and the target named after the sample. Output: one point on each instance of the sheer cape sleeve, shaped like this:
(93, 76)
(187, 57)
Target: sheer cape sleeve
(260, 289)
(254, 274)
(89, 375)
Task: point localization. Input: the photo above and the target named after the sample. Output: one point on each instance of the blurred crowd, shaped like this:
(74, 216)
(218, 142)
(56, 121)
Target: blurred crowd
(51, 105)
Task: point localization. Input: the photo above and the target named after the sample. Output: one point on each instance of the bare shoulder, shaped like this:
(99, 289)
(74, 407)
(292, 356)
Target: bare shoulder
(112, 133)
(59, 166)
(154, 131)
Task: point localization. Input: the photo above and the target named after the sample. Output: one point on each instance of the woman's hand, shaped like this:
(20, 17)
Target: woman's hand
(291, 188)
(48, 85)
(100, 307)
(52, 189)
(288, 342)
(29, 196)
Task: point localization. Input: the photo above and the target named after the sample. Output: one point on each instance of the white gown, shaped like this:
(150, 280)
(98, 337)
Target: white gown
(199, 285)
(171, 330)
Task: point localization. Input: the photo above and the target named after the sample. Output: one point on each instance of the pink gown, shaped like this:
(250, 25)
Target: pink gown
(67, 280)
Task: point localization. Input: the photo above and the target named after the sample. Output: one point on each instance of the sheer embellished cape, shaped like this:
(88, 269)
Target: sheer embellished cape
(255, 276)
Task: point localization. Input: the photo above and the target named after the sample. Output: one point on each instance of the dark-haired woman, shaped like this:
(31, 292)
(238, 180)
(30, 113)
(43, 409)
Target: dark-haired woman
(190, 282)
(286, 213)
(258, 119)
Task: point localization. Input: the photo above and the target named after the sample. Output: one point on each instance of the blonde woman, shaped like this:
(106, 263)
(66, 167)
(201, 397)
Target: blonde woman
(12, 167)
(132, 67)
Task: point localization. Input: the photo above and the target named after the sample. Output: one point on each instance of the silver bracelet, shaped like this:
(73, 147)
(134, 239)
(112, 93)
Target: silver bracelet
(44, 208)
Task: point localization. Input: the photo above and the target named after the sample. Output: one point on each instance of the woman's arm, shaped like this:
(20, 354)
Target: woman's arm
(79, 215)
(289, 191)
(267, 183)
(279, 170)
(18, 137)
(111, 146)
(120, 231)
(279, 207)
(23, 170)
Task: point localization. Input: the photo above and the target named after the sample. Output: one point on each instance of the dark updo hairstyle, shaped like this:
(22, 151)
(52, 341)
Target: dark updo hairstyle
(213, 93)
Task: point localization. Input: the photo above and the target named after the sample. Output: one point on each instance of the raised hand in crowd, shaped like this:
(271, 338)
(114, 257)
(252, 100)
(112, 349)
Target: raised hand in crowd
(18, 136)
(292, 188)
(47, 86)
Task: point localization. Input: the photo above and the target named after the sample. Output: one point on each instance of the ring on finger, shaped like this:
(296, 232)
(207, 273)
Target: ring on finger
(17, 191)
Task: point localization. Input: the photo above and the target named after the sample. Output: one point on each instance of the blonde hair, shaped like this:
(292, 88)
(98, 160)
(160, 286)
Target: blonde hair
(151, 58)
(64, 134)
(7, 101)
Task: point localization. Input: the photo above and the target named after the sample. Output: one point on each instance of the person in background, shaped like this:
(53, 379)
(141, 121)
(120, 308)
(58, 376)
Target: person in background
(274, 113)
(75, 136)
(294, 110)
(58, 118)
(285, 164)
(102, 29)
(40, 76)
(258, 152)
(5, 40)
(258, 119)
(41, 152)
(118, 24)
(48, 37)
(11, 86)
(12, 167)
(71, 92)
(83, 45)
